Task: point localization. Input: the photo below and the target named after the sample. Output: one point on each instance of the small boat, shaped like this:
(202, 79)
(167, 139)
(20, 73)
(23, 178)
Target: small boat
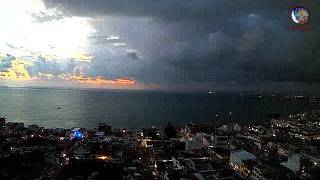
(59, 107)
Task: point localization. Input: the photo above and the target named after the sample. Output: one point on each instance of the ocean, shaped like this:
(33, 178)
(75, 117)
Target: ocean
(135, 109)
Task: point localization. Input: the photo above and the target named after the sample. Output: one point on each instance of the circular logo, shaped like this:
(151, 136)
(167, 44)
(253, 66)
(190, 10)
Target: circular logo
(300, 15)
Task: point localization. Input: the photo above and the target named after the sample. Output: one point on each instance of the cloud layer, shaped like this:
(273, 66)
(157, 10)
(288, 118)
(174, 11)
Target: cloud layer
(195, 45)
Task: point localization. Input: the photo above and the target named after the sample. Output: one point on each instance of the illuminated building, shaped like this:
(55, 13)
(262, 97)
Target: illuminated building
(262, 172)
(293, 163)
(77, 134)
(242, 162)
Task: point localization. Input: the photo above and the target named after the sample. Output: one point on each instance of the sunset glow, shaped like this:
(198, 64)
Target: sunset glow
(26, 36)
(17, 71)
(98, 80)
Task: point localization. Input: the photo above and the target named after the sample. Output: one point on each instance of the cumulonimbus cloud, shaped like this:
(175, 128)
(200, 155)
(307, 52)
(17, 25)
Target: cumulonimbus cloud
(205, 41)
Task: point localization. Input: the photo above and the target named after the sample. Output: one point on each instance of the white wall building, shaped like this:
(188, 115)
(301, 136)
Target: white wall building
(239, 159)
(293, 162)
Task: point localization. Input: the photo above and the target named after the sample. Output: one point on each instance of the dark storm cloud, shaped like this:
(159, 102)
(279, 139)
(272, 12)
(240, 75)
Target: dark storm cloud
(133, 54)
(5, 62)
(42, 65)
(165, 9)
(209, 42)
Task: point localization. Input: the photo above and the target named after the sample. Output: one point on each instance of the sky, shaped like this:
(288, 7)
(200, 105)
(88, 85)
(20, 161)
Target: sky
(170, 45)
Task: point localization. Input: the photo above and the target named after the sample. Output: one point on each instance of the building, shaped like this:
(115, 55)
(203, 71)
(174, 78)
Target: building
(15, 128)
(193, 143)
(2, 123)
(242, 162)
(78, 133)
(237, 128)
(103, 127)
(262, 172)
(220, 153)
(81, 152)
(147, 142)
(282, 151)
(293, 163)
(34, 128)
(219, 141)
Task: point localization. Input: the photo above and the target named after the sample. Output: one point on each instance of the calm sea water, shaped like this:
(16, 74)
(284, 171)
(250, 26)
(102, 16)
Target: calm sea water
(131, 109)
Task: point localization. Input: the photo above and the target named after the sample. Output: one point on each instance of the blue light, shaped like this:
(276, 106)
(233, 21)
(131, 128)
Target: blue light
(77, 135)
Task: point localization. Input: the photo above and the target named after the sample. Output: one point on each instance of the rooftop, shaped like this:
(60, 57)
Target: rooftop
(243, 155)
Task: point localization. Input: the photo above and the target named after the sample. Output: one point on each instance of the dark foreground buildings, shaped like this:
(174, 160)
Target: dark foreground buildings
(284, 148)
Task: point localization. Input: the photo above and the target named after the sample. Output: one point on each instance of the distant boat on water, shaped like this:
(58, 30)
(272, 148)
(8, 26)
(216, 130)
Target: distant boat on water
(59, 107)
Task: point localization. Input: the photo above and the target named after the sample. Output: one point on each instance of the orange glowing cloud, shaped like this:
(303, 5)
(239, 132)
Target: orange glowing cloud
(98, 80)
(18, 70)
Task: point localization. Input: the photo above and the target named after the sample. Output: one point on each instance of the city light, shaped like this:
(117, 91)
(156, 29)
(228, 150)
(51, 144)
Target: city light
(103, 157)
